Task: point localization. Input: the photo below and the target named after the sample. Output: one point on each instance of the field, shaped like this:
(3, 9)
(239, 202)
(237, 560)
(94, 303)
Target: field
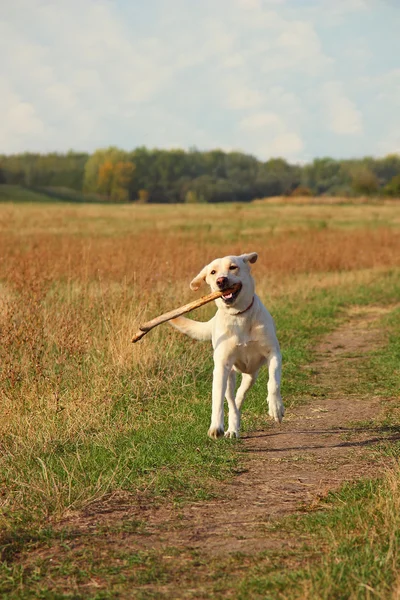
(109, 486)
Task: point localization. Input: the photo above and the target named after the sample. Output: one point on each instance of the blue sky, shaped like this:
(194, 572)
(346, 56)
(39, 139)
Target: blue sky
(291, 78)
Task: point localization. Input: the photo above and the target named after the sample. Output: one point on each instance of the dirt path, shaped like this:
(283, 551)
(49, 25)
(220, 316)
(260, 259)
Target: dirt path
(288, 468)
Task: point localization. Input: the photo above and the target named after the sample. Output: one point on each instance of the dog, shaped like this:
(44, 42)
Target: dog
(243, 337)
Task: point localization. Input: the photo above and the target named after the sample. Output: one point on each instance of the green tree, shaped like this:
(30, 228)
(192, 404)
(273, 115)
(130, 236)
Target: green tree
(364, 181)
(324, 175)
(276, 177)
(105, 176)
(393, 187)
(96, 160)
(192, 197)
(143, 197)
(113, 179)
(387, 168)
(122, 176)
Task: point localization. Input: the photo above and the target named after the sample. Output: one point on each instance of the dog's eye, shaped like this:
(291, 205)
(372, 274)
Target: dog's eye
(213, 272)
(232, 267)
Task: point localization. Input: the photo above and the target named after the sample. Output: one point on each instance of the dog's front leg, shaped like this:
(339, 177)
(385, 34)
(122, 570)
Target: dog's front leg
(276, 408)
(222, 369)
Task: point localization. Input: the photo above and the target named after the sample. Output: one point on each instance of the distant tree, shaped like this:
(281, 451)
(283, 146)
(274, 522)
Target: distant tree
(276, 177)
(224, 190)
(123, 173)
(323, 175)
(302, 190)
(111, 155)
(364, 181)
(113, 179)
(393, 187)
(214, 162)
(110, 172)
(192, 197)
(387, 168)
(241, 168)
(143, 197)
(39, 170)
(203, 188)
(105, 177)
(181, 176)
(143, 161)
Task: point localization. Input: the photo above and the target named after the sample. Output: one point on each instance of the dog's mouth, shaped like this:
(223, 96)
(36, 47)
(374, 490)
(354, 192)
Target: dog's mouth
(231, 293)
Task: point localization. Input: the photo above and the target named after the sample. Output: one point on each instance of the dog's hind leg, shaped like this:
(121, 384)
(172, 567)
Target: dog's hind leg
(248, 379)
(235, 404)
(234, 413)
(275, 404)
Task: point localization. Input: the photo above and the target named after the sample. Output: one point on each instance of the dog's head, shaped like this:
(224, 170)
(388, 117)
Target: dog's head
(222, 273)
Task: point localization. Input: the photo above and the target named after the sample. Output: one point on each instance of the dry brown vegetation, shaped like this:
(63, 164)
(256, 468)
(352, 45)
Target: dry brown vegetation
(144, 259)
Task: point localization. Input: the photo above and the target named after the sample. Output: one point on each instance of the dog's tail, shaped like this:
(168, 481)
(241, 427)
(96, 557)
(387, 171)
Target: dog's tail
(194, 329)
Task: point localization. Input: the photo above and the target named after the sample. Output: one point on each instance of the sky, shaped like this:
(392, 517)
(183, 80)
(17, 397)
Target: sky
(297, 79)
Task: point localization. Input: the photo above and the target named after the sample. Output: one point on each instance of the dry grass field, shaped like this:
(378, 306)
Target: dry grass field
(85, 416)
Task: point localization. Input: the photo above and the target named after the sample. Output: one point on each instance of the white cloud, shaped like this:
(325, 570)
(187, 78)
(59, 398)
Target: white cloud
(286, 144)
(257, 4)
(22, 119)
(272, 135)
(343, 116)
(19, 120)
(385, 85)
(249, 4)
(62, 96)
(390, 144)
(241, 97)
(383, 92)
(343, 7)
(264, 120)
(299, 47)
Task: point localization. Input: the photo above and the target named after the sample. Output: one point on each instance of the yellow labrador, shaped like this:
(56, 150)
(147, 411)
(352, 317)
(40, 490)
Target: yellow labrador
(243, 337)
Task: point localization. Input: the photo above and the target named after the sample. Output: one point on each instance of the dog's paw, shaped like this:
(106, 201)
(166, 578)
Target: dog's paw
(276, 409)
(215, 432)
(231, 434)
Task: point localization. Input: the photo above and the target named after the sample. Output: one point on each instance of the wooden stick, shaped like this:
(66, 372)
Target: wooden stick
(172, 314)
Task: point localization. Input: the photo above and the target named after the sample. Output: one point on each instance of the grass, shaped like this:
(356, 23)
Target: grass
(69, 195)
(84, 414)
(40, 195)
(16, 193)
(385, 366)
(350, 550)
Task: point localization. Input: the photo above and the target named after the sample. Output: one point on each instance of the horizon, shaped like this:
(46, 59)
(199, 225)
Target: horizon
(299, 163)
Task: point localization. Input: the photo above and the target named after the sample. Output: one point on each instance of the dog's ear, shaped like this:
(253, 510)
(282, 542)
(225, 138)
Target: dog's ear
(251, 257)
(198, 280)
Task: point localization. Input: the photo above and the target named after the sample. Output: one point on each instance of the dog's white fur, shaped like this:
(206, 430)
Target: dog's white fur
(243, 337)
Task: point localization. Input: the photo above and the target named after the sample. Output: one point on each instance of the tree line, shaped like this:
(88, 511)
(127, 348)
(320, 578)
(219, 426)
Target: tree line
(152, 175)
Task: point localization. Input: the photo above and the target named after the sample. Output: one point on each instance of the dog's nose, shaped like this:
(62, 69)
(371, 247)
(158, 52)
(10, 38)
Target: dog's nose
(222, 282)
